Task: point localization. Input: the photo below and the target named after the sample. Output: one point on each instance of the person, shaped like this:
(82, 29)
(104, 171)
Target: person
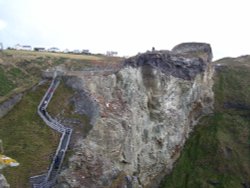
(43, 111)
(57, 162)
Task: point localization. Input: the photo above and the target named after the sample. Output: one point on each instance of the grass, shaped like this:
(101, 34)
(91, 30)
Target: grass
(62, 106)
(20, 70)
(27, 139)
(50, 54)
(16, 73)
(6, 85)
(217, 154)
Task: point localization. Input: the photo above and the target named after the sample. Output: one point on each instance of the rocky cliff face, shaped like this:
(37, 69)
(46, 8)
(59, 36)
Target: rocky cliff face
(145, 114)
(3, 182)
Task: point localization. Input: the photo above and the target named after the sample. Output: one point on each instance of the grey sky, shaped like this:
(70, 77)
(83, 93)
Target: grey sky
(127, 26)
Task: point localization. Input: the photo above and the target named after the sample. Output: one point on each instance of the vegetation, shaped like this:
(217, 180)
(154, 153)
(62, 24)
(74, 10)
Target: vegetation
(25, 136)
(6, 85)
(27, 139)
(61, 107)
(20, 70)
(217, 154)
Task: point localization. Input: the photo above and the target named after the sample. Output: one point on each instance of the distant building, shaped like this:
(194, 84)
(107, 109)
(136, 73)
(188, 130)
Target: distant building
(39, 49)
(66, 51)
(85, 52)
(76, 52)
(53, 49)
(23, 47)
(17, 47)
(111, 53)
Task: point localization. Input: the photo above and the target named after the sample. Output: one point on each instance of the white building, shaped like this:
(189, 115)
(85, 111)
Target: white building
(23, 47)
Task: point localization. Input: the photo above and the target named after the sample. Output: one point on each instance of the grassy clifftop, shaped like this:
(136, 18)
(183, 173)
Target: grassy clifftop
(19, 70)
(218, 151)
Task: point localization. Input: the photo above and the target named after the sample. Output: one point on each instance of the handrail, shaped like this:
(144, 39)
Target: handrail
(55, 166)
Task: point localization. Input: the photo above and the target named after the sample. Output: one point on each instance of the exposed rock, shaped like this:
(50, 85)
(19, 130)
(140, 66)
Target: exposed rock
(6, 106)
(237, 106)
(83, 101)
(213, 182)
(168, 63)
(146, 112)
(202, 50)
(50, 73)
(3, 182)
(245, 184)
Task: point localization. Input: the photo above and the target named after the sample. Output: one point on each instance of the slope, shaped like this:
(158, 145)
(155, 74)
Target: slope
(218, 152)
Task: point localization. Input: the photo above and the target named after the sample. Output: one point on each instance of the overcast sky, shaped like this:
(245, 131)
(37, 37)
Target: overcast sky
(127, 26)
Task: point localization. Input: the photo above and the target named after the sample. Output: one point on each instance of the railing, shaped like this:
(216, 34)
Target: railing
(49, 179)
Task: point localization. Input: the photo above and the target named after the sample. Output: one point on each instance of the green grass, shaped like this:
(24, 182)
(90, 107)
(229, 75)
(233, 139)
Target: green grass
(49, 54)
(232, 85)
(16, 72)
(217, 154)
(20, 70)
(27, 139)
(6, 85)
(62, 105)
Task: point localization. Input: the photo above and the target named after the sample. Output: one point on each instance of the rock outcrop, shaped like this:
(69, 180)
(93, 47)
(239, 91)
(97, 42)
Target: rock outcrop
(6, 106)
(3, 182)
(195, 48)
(146, 112)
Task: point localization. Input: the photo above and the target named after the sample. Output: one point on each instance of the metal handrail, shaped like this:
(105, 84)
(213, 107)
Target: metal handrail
(52, 123)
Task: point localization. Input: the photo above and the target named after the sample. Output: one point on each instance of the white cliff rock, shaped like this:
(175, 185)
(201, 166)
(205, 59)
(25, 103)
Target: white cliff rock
(146, 112)
(3, 182)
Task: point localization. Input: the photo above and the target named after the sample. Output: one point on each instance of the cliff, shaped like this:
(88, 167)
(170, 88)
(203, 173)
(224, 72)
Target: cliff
(143, 117)
(217, 152)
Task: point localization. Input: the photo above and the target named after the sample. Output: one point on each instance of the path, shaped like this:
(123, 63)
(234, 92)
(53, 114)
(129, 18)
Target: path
(49, 179)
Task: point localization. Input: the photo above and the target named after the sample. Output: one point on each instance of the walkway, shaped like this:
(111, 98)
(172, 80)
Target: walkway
(49, 179)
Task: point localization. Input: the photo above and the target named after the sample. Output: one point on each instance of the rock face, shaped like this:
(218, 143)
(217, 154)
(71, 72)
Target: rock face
(195, 48)
(146, 112)
(6, 106)
(3, 182)
(169, 63)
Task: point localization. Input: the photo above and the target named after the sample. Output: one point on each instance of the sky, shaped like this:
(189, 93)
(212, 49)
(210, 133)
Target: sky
(127, 26)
